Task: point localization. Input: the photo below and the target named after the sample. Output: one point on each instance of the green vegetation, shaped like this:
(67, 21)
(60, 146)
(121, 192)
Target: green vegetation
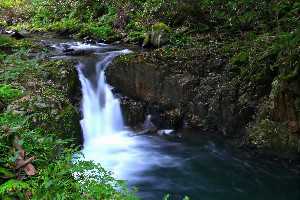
(7, 93)
(35, 107)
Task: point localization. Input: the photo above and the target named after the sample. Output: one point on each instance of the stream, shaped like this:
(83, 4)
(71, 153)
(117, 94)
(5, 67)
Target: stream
(199, 167)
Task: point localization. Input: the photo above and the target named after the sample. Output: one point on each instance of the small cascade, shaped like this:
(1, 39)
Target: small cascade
(101, 110)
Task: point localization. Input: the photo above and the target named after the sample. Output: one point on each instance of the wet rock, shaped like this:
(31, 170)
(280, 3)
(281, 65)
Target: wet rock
(133, 111)
(192, 89)
(78, 52)
(17, 35)
(89, 40)
(2, 106)
(2, 30)
(287, 105)
(166, 132)
(148, 124)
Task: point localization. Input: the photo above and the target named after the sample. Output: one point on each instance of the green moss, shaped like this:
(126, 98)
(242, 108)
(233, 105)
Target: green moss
(9, 93)
(125, 58)
(272, 136)
(240, 59)
(68, 122)
(136, 36)
(160, 26)
(10, 3)
(69, 25)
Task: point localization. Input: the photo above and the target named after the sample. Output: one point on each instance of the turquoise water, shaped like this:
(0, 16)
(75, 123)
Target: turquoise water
(209, 170)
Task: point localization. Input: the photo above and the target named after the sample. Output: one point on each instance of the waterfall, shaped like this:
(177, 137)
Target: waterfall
(105, 139)
(101, 110)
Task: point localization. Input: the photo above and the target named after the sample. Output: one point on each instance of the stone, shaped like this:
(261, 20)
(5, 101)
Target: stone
(2, 106)
(17, 35)
(158, 36)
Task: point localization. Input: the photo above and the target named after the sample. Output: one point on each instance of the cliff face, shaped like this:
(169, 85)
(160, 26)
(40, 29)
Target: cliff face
(188, 88)
(201, 89)
(287, 105)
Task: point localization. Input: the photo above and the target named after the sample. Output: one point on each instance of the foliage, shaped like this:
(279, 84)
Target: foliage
(56, 181)
(14, 188)
(267, 56)
(10, 3)
(8, 93)
(15, 64)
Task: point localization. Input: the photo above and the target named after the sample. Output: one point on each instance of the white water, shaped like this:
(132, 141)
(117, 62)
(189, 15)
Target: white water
(102, 124)
(106, 140)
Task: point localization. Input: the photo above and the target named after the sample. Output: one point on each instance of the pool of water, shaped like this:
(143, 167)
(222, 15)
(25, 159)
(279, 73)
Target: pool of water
(207, 169)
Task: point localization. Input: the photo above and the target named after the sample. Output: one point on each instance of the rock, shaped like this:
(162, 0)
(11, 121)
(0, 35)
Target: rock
(166, 132)
(2, 106)
(67, 50)
(78, 52)
(148, 123)
(133, 111)
(178, 95)
(158, 36)
(2, 30)
(287, 105)
(89, 40)
(196, 88)
(17, 35)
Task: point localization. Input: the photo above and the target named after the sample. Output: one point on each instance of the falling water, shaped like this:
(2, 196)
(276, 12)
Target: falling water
(102, 123)
(203, 170)
(101, 110)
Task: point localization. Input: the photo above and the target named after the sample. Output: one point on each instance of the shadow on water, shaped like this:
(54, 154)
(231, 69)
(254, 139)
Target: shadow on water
(202, 168)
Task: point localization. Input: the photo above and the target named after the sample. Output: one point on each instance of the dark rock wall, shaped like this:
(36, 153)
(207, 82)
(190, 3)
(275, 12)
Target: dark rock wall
(197, 93)
(199, 89)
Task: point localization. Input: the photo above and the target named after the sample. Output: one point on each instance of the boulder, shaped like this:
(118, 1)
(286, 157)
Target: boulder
(158, 36)
(17, 35)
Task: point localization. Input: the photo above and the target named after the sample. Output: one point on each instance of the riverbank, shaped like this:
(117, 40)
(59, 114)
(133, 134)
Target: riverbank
(39, 111)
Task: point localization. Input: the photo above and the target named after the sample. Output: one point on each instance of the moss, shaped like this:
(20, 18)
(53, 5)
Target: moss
(160, 26)
(240, 59)
(125, 59)
(68, 121)
(9, 93)
(272, 136)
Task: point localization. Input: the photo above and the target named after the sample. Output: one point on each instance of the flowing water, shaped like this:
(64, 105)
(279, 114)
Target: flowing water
(202, 168)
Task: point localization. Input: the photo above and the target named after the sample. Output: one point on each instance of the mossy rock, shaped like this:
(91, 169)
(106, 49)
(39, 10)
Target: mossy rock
(68, 121)
(275, 138)
(159, 35)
